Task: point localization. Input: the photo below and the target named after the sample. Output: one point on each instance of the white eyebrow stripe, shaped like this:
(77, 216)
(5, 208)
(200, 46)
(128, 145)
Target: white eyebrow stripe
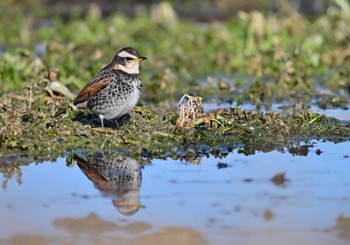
(126, 54)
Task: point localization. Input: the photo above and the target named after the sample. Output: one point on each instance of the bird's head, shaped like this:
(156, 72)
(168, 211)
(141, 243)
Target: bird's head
(128, 60)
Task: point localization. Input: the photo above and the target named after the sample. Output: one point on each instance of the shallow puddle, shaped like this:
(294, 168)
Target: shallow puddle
(234, 200)
(337, 113)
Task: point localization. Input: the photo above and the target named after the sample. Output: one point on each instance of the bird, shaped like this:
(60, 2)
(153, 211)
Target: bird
(114, 90)
(118, 177)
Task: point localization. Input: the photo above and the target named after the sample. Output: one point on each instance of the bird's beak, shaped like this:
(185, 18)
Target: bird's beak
(140, 59)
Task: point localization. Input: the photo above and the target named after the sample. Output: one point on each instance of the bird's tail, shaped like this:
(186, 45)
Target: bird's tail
(59, 112)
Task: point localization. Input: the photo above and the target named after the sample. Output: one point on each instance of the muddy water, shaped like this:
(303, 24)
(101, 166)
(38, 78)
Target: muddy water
(234, 200)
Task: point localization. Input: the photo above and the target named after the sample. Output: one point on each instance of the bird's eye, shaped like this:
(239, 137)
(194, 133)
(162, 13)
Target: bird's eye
(129, 58)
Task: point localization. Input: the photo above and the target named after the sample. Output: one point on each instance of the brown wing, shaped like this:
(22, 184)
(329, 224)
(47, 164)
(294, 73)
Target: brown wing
(102, 80)
(89, 171)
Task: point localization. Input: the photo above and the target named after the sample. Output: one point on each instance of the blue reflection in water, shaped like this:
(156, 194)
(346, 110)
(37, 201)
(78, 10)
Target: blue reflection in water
(200, 195)
(116, 176)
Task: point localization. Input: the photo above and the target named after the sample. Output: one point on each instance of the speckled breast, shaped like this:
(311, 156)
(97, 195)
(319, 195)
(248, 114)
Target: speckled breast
(117, 99)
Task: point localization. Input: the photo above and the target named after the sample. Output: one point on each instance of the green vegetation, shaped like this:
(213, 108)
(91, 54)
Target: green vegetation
(285, 53)
(286, 57)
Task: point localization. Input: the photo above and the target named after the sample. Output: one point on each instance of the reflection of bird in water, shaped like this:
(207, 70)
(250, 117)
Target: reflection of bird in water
(120, 177)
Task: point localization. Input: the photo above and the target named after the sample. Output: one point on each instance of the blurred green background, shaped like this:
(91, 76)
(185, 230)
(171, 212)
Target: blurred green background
(248, 50)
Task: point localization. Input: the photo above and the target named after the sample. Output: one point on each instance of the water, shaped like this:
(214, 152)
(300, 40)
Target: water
(226, 201)
(337, 113)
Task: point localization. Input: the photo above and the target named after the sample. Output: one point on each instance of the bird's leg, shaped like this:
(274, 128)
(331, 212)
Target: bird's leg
(121, 119)
(101, 118)
(116, 122)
